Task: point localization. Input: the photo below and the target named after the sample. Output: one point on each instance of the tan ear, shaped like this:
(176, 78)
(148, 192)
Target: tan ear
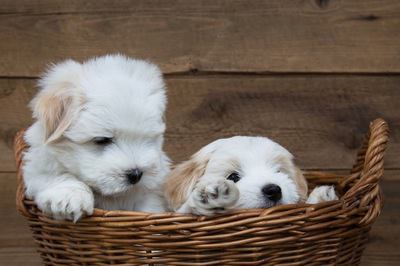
(288, 166)
(182, 180)
(59, 101)
(301, 183)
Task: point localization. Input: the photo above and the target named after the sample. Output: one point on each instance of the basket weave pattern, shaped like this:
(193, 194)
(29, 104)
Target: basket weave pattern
(331, 233)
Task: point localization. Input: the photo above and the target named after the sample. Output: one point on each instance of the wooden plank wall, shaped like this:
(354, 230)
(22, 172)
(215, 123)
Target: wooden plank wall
(308, 73)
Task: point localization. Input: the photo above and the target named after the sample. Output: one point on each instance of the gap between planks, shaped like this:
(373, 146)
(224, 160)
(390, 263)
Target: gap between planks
(193, 73)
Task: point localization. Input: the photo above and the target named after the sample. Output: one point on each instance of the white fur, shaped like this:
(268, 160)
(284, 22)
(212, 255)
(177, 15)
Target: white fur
(66, 173)
(211, 196)
(259, 162)
(322, 194)
(256, 161)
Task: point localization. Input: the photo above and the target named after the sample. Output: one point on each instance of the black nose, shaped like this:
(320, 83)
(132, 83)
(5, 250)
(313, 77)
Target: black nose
(133, 175)
(272, 192)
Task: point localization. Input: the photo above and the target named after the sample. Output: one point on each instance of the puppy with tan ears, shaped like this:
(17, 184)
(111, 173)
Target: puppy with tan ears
(239, 173)
(97, 139)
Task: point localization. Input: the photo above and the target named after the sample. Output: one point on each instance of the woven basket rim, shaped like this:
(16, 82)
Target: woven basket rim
(262, 212)
(349, 185)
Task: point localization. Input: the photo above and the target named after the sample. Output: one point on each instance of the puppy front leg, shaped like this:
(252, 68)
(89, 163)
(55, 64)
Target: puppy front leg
(322, 194)
(210, 197)
(64, 198)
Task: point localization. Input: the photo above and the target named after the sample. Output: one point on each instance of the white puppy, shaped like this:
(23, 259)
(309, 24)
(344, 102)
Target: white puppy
(97, 139)
(236, 173)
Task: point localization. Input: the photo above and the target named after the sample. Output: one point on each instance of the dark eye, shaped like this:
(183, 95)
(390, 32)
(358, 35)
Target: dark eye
(102, 141)
(235, 177)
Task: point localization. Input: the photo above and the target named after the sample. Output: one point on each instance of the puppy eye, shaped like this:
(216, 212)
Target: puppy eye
(235, 177)
(102, 141)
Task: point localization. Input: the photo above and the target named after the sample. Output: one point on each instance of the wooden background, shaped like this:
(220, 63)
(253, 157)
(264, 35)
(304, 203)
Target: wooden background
(310, 74)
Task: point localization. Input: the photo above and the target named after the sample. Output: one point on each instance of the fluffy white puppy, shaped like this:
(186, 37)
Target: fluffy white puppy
(97, 139)
(237, 173)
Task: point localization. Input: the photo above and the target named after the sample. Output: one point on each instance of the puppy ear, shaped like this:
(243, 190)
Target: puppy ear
(286, 162)
(182, 179)
(301, 184)
(59, 100)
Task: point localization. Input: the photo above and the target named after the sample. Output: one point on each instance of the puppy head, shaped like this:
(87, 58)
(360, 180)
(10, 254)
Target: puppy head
(103, 121)
(263, 171)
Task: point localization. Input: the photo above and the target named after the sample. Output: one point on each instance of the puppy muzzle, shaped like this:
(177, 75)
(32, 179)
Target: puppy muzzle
(133, 175)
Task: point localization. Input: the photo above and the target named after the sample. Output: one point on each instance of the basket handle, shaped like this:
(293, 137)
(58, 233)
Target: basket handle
(363, 182)
(19, 147)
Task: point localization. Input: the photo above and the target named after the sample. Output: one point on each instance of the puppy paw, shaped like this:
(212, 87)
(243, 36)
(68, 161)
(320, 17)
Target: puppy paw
(322, 194)
(213, 197)
(66, 203)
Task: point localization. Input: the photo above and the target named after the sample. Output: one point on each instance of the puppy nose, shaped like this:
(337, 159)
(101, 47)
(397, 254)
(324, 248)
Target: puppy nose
(133, 175)
(272, 192)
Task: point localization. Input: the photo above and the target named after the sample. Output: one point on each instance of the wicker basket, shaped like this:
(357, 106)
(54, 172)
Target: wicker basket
(331, 233)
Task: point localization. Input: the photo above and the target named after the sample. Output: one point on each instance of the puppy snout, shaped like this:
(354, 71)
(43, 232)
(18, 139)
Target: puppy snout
(133, 175)
(272, 192)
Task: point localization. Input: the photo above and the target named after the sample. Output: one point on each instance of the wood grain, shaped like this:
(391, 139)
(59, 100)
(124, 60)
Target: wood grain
(16, 244)
(17, 248)
(224, 36)
(383, 248)
(321, 119)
